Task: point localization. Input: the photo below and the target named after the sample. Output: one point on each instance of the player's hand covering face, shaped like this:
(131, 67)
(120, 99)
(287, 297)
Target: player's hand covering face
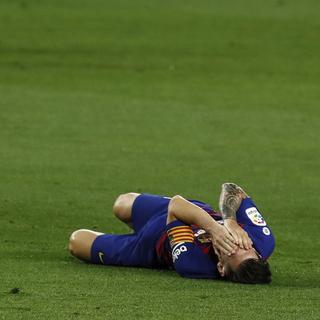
(241, 237)
(189, 213)
(222, 240)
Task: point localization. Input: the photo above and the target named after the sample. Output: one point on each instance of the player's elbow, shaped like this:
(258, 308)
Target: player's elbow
(228, 185)
(174, 202)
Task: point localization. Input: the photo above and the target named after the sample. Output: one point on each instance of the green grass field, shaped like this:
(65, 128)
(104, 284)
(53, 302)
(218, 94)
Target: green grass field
(99, 97)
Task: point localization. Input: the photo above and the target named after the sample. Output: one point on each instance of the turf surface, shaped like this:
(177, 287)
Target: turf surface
(100, 97)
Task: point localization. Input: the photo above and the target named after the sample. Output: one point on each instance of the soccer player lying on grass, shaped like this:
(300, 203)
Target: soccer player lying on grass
(185, 235)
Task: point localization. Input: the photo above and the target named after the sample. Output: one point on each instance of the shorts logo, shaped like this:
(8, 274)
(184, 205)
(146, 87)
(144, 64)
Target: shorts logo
(255, 217)
(266, 231)
(177, 252)
(101, 255)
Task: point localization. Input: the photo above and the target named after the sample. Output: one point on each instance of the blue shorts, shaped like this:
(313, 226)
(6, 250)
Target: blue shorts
(149, 215)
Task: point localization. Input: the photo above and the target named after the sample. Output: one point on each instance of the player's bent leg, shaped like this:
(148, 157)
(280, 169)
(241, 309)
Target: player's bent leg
(80, 243)
(122, 207)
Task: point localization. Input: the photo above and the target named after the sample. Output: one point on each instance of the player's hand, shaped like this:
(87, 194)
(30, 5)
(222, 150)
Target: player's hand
(222, 240)
(241, 237)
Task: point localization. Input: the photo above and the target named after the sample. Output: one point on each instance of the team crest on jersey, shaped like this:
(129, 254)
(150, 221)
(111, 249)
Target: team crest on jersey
(255, 217)
(199, 232)
(202, 236)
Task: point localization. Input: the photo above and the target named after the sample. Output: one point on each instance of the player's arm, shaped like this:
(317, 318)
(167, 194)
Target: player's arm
(185, 211)
(188, 258)
(230, 200)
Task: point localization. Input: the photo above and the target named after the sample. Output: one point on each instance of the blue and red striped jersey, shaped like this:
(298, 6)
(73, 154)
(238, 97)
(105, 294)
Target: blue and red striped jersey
(189, 251)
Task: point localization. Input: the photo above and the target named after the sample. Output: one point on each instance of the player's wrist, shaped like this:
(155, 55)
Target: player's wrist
(213, 227)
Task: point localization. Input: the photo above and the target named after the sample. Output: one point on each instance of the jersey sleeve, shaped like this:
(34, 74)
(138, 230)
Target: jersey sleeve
(249, 217)
(188, 258)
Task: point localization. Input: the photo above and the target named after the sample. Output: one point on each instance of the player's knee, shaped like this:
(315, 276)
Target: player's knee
(123, 205)
(74, 242)
(80, 244)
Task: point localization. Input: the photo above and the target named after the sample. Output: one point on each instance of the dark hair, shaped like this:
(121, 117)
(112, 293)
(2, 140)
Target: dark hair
(251, 271)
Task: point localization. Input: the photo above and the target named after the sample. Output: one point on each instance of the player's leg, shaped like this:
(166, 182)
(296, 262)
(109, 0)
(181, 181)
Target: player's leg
(134, 249)
(122, 207)
(136, 210)
(80, 243)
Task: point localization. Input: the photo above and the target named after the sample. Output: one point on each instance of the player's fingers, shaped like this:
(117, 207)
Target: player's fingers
(231, 239)
(247, 241)
(236, 237)
(231, 242)
(228, 247)
(225, 251)
(218, 248)
(241, 243)
(244, 243)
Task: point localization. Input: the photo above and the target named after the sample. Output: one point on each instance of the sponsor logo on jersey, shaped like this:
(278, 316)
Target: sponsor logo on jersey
(177, 251)
(255, 216)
